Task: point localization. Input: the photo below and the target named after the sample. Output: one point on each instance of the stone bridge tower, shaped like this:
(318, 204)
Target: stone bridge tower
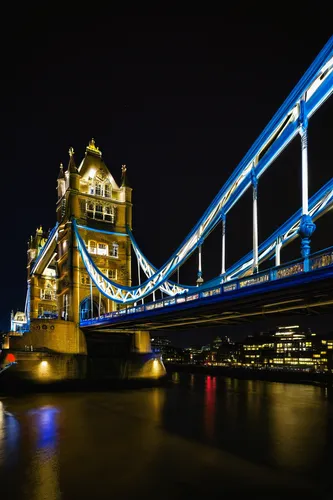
(102, 209)
(59, 289)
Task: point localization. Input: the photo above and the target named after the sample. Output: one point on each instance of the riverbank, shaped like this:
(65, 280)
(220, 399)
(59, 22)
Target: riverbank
(322, 379)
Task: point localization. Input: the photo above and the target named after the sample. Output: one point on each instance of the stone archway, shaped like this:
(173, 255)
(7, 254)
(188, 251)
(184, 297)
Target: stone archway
(85, 308)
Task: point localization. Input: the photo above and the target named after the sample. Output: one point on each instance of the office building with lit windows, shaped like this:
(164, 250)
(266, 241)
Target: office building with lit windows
(288, 348)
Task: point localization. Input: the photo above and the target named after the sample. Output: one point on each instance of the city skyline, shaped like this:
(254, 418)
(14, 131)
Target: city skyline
(172, 126)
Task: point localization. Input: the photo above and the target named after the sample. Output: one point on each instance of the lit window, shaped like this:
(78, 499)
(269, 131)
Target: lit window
(99, 212)
(114, 250)
(108, 214)
(90, 210)
(107, 191)
(113, 274)
(102, 249)
(92, 246)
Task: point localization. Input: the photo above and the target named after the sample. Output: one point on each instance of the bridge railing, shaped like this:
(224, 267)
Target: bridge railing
(316, 261)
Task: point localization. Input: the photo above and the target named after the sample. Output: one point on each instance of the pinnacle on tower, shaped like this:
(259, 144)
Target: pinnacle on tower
(124, 181)
(71, 165)
(61, 172)
(92, 148)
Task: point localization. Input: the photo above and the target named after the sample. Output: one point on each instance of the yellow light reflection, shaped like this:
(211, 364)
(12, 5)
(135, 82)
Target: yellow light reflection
(158, 399)
(296, 417)
(2, 433)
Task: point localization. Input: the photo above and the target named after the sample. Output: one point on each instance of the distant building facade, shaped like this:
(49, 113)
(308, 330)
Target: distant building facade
(288, 348)
(162, 345)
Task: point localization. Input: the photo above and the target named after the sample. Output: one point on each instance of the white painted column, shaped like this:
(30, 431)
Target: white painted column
(255, 221)
(91, 299)
(139, 276)
(278, 252)
(199, 263)
(154, 296)
(199, 279)
(305, 182)
(223, 218)
(99, 305)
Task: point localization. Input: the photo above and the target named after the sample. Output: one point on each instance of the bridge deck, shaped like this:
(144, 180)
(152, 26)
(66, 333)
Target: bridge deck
(308, 292)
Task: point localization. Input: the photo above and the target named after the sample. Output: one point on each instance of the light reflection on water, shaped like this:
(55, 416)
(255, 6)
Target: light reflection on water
(76, 445)
(210, 411)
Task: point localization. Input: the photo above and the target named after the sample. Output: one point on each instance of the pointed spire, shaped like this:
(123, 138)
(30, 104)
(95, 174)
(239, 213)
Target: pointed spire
(124, 180)
(61, 172)
(71, 165)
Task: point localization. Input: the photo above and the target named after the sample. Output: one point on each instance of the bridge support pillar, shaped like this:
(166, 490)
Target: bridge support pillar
(143, 363)
(141, 341)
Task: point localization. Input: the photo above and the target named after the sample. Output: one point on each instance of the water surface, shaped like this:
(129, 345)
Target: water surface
(198, 435)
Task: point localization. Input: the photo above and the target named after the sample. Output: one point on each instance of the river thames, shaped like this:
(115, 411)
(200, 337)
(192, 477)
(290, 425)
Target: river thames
(195, 436)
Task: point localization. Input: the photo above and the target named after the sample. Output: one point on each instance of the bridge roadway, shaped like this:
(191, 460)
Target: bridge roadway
(307, 292)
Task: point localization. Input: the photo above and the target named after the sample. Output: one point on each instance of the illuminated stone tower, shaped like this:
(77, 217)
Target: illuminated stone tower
(59, 289)
(102, 209)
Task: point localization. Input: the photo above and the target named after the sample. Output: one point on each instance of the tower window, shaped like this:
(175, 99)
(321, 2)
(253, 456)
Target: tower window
(99, 212)
(108, 214)
(92, 247)
(102, 249)
(113, 274)
(107, 191)
(114, 250)
(90, 210)
(98, 190)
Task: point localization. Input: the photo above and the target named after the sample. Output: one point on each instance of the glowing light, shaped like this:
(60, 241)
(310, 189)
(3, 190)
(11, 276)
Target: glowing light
(10, 358)
(44, 370)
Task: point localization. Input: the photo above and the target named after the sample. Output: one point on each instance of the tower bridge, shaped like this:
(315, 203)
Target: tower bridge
(80, 281)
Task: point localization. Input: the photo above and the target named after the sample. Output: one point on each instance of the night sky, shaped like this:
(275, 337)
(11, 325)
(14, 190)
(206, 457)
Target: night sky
(179, 100)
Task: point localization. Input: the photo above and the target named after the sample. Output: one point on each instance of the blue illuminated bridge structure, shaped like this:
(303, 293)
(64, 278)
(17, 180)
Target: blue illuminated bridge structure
(249, 289)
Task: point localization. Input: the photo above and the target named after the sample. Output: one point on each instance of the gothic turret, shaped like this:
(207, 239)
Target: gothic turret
(124, 180)
(61, 182)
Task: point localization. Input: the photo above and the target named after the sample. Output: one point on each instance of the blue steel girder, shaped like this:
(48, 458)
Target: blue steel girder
(313, 89)
(319, 204)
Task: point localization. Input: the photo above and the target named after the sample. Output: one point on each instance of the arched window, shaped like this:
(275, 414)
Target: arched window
(92, 247)
(85, 308)
(90, 210)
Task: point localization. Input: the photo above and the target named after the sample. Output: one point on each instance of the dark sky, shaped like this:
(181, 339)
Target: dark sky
(180, 100)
